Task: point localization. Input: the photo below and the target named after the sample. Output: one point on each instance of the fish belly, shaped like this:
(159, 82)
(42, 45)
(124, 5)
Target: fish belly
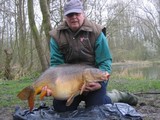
(64, 89)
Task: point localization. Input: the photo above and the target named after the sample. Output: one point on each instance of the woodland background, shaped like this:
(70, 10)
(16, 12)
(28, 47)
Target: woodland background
(133, 31)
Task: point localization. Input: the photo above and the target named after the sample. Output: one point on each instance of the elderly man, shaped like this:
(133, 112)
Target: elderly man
(78, 40)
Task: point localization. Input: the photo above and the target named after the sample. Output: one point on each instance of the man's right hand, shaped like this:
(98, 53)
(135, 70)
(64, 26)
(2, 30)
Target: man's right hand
(46, 90)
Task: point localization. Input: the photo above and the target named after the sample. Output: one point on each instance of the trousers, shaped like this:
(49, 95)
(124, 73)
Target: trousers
(93, 98)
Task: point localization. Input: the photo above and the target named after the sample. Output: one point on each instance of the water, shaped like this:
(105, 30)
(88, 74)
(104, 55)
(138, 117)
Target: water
(151, 71)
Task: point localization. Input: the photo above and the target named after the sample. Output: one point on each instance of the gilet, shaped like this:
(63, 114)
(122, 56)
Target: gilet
(80, 46)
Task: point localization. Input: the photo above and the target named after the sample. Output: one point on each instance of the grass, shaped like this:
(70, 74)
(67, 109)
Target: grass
(133, 82)
(10, 89)
(134, 85)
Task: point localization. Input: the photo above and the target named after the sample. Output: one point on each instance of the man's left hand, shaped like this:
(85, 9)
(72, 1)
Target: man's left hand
(92, 86)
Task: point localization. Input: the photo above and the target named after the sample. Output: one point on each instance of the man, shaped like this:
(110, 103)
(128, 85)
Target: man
(78, 40)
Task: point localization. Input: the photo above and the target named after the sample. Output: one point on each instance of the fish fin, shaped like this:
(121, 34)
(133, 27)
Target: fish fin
(71, 98)
(83, 87)
(43, 94)
(69, 101)
(31, 101)
(28, 93)
(25, 93)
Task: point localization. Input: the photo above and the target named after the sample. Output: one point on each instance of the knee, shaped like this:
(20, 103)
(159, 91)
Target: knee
(58, 109)
(59, 106)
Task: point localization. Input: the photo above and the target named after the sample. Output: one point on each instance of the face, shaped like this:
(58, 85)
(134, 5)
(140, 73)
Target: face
(95, 75)
(75, 20)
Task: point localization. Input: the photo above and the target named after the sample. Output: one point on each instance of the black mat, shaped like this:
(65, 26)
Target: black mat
(116, 111)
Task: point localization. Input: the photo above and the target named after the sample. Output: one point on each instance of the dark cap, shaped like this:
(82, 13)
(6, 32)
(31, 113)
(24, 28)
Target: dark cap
(73, 6)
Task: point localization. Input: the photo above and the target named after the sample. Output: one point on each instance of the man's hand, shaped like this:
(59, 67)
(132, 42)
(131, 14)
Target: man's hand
(92, 86)
(48, 91)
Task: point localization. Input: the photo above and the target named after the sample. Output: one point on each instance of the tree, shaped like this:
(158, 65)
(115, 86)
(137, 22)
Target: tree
(21, 20)
(46, 18)
(131, 26)
(150, 25)
(7, 72)
(36, 36)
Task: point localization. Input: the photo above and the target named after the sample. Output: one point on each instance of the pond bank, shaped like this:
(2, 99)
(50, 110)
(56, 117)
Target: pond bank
(139, 69)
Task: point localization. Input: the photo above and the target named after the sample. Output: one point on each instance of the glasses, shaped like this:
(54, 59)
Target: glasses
(73, 14)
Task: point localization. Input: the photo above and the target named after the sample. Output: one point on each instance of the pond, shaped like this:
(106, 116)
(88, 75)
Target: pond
(141, 70)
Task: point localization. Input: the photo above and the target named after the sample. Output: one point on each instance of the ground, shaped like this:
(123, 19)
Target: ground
(148, 106)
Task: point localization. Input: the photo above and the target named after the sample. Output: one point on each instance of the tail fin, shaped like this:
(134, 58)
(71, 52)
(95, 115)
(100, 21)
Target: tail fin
(25, 93)
(28, 93)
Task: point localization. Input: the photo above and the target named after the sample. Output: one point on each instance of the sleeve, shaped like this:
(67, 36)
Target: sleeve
(56, 56)
(103, 58)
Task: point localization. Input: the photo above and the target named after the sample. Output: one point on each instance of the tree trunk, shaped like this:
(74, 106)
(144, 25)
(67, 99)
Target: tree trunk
(46, 19)
(7, 72)
(36, 36)
(22, 34)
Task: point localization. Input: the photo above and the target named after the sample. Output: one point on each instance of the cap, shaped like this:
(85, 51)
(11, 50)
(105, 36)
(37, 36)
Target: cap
(73, 6)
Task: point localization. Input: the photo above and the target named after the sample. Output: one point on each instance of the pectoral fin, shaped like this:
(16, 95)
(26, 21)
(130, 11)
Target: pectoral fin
(83, 87)
(71, 98)
(43, 94)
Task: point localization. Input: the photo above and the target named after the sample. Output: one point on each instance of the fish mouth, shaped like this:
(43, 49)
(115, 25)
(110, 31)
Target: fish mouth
(105, 76)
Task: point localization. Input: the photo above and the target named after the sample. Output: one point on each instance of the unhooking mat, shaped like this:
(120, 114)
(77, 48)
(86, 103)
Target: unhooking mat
(116, 111)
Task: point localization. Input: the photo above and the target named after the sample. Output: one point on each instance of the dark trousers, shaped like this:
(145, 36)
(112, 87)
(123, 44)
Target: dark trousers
(97, 97)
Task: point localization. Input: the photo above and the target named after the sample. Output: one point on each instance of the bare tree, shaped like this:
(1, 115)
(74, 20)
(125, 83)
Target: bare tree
(7, 72)
(36, 36)
(46, 18)
(22, 32)
(2, 31)
(131, 25)
(151, 24)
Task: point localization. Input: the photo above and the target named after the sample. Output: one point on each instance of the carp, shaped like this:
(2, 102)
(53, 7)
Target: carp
(65, 81)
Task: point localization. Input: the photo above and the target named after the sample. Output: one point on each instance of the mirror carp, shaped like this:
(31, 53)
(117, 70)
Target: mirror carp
(65, 81)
